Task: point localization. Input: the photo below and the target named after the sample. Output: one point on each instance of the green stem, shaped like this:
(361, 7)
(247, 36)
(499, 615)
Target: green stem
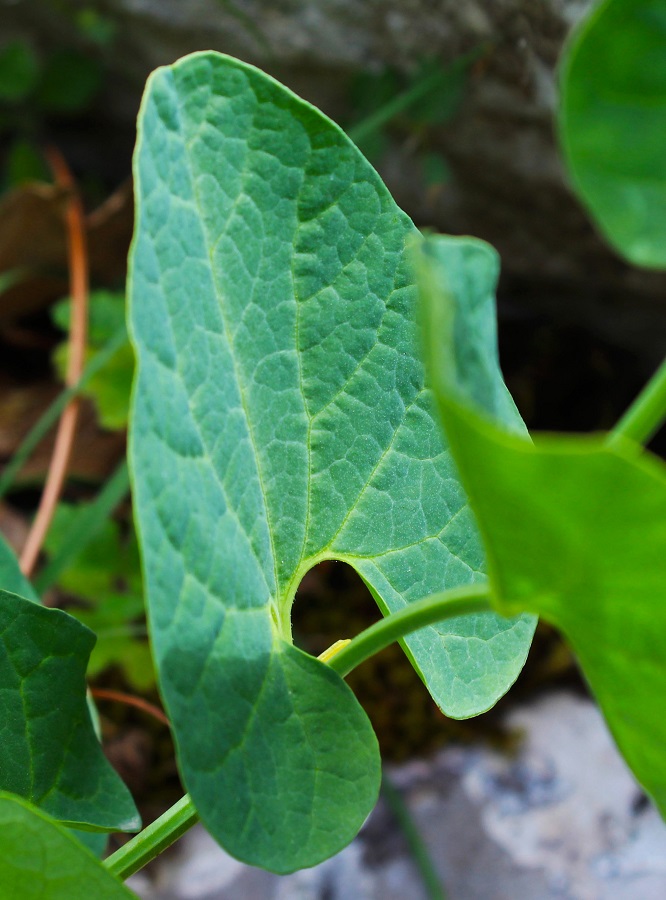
(647, 413)
(460, 601)
(417, 847)
(407, 98)
(150, 842)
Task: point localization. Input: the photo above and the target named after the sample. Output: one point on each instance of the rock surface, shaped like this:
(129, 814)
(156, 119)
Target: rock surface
(506, 181)
(562, 818)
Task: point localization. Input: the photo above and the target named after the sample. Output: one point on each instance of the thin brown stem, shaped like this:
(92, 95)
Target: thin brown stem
(129, 700)
(78, 281)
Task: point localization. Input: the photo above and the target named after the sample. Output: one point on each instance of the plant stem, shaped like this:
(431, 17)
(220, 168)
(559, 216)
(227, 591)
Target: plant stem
(150, 842)
(460, 601)
(415, 842)
(129, 700)
(78, 275)
(647, 413)
(411, 95)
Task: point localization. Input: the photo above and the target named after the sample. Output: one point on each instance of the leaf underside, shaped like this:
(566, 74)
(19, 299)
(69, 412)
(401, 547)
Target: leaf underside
(280, 418)
(612, 121)
(574, 529)
(39, 860)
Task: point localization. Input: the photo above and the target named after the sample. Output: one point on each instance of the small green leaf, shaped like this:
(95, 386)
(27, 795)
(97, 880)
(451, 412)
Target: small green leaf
(574, 529)
(49, 753)
(40, 860)
(106, 575)
(109, 389)
(25, 162)
(107, 561)
(280, 418)
(612, 122)
(69, 82)
(19, 71)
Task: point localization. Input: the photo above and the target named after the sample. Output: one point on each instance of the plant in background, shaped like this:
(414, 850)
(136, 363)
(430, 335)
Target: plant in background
(108, 388)
(63, 84)
(105, 580)
(281, 416)
(431, 95)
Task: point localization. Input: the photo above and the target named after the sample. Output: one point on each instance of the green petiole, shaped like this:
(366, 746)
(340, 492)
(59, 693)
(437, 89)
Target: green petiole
(647, 413)
(459, 601)
(150, 842)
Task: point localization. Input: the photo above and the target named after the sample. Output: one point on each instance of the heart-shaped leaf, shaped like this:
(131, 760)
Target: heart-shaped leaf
(612, 121)
(280, 418)
(574, 528)
(49, 752)
(39, 860)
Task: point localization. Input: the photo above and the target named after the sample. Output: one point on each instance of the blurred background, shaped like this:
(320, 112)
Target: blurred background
(453, 103)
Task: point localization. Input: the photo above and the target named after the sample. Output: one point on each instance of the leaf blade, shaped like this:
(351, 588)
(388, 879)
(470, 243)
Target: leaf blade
(279, 402)
(50, 754)
(41, 860)
(611, 124)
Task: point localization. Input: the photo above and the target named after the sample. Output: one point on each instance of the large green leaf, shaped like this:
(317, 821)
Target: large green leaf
(49, 752)
(613, 121)
(39, 860)
(280, 418)
(574, 528)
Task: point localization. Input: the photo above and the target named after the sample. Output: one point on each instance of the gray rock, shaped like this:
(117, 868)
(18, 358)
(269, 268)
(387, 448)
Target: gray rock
(561, 818)
(507, 183)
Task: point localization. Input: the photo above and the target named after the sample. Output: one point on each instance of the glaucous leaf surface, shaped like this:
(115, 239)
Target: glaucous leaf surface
(40, 860)
(280, 418)
(612, 123)
(574, 528)
(49, 753)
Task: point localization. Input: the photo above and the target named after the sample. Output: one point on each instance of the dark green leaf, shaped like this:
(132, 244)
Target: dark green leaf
(613, 124)
(25, 163)
(281, 418)
(574, 529)
(49, 753)
(69, 82)
(39, 860)
(19, 71)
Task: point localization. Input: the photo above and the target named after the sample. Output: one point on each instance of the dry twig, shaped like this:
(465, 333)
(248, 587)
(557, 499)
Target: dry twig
(78, 276)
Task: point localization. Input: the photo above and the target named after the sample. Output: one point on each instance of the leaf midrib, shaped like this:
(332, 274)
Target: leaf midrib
(219, 296)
